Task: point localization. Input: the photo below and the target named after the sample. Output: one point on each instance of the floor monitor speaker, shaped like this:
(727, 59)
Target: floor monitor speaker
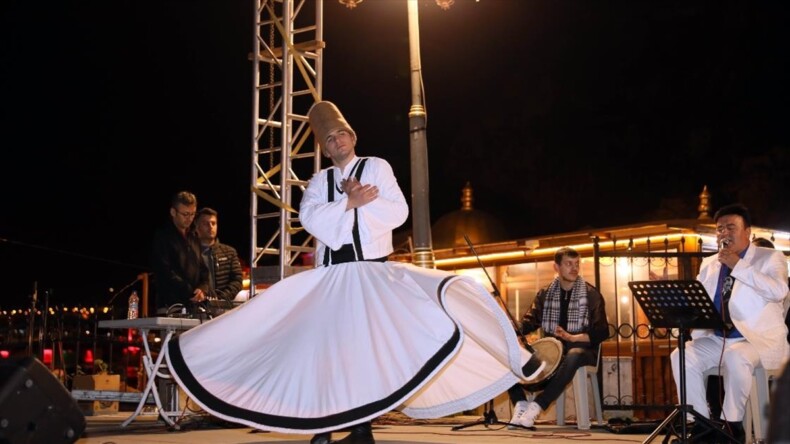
(35, 406)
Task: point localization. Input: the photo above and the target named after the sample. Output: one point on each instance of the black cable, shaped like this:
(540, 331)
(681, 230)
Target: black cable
(71, 253)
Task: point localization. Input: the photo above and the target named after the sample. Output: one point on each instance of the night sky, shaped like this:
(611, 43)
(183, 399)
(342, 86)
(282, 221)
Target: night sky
(562, 114)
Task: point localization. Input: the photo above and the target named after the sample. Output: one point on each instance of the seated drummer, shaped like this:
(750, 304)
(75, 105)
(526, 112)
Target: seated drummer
(573, 311)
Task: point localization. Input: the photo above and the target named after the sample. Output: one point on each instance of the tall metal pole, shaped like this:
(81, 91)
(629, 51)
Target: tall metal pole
(421, 215)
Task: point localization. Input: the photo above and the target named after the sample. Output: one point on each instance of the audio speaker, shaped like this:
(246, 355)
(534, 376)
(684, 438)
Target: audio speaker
(35, 407)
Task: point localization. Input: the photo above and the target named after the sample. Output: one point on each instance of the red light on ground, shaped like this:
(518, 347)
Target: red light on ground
(4, 354)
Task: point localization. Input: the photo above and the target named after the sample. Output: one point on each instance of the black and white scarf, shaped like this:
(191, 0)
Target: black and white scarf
(577, 307)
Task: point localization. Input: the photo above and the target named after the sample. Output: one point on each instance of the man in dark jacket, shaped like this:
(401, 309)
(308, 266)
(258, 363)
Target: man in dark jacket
(179, 272)
(222, 261)
(572, 311)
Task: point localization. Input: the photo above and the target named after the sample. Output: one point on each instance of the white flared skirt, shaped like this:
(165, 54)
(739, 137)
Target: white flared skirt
(336, 346)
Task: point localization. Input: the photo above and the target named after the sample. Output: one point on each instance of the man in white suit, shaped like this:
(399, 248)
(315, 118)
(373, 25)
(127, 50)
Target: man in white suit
(748, 285)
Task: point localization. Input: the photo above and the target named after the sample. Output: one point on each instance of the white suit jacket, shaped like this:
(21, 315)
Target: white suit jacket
(756, 303)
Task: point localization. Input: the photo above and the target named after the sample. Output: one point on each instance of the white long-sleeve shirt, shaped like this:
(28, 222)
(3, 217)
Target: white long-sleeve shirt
(332, 224)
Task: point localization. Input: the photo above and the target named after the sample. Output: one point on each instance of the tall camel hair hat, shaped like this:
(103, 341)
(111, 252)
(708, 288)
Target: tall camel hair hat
(324, 118)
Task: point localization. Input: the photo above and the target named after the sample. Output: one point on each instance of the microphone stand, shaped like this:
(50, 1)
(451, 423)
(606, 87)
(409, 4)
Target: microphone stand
(43, 336)
(489, 415)
(498, 296)
(32, 318)
(57, 351)
(117, 293)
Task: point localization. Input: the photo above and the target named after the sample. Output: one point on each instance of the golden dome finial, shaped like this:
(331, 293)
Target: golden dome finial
(466, 197)
(451, 230)
(704, 204)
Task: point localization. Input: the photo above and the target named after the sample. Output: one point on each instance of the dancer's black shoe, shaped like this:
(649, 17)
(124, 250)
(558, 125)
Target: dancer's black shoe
(322, 438)
(360, 434)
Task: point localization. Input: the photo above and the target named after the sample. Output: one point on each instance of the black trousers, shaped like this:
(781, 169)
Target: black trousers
(574, 358)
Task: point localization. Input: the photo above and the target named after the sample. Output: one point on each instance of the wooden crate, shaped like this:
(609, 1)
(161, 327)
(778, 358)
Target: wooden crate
(98, 382)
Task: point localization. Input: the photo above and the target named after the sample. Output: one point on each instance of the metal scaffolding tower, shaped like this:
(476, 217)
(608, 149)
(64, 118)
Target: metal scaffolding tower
(287, 81)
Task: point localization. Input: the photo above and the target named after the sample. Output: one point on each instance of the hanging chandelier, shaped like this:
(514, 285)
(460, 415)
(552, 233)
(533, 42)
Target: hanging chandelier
(350, 4)
(445, 4)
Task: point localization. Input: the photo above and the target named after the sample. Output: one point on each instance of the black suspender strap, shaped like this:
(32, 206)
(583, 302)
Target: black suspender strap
(330, 185)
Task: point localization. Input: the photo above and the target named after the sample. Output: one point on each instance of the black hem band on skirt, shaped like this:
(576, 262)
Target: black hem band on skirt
(218, 406)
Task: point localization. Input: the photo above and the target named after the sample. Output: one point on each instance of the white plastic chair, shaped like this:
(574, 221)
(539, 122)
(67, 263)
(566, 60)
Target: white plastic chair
(580, 396)
(755, 419)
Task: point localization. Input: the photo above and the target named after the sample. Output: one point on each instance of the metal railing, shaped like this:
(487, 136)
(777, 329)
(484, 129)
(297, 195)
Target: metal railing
(633, 342)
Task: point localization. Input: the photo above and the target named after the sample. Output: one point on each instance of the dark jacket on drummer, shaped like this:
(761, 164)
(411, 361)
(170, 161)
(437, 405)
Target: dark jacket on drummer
(572, 311)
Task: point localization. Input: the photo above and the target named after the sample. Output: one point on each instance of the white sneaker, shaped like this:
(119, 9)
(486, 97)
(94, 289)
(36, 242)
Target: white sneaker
(518, 411)
(525, 415)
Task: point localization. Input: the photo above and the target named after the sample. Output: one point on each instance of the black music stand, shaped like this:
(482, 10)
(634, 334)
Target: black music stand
(681, 305)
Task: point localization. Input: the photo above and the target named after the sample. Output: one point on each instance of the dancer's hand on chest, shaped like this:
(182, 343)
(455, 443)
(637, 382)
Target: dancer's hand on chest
(358, 194)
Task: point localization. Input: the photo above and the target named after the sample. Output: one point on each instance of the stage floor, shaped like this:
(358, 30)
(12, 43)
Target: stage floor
(391, 429)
